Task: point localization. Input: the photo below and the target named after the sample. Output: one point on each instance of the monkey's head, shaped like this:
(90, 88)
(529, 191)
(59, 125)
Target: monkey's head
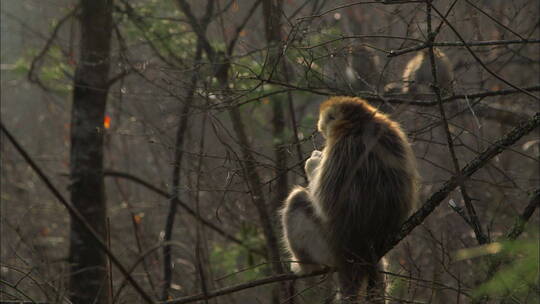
(342, 115)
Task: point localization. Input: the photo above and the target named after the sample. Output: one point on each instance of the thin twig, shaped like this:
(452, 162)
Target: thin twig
(76, 215)
(184, 206)
(359, 3)
(140, 259)
(37, 59)
(480, 60)
(175, 179)
(473, 217)
(388, 98)
(394, 53)
(241, 27)
(478, 162)
(239, 287)
(413, 221)
(495, 262)
(253, 179)
(524, 217)
(494, 19)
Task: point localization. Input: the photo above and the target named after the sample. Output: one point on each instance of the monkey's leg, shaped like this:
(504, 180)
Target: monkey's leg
(376, 289)
(352, 282)
(303, 233)
(362, 282)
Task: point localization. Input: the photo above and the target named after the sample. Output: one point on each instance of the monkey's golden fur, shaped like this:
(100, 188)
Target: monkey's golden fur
(362, 186)
(418, 76)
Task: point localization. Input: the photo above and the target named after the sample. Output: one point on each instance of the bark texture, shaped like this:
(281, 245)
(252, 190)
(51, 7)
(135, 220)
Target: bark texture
(88, 281)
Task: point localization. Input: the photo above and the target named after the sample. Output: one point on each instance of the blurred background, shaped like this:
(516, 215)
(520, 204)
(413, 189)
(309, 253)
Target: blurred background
(209, 111)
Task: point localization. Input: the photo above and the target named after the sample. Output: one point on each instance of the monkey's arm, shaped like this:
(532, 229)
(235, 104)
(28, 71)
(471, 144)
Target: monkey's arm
(312, 164)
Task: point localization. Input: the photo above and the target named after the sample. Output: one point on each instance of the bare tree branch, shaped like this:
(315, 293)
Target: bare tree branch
(394, 53)
(478, 162)
(473, 217)
(76, 215)
(519, 226)
(239, 287)
(32, 77)
(480, 60)
(222, 66)
(186, 208)
(416, 219)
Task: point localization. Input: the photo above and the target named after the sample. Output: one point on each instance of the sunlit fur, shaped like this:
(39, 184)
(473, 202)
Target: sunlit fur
(418, 75)
(362, 186)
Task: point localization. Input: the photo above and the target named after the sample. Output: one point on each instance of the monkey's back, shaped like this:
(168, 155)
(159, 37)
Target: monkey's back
(366, 202)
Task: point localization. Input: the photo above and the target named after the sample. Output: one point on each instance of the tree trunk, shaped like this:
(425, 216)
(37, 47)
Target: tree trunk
(275, 65)
(272, 10)
(88, 281)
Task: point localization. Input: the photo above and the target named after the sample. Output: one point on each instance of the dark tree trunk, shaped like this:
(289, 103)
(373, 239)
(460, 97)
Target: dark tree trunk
(272, 10)
(88, 281)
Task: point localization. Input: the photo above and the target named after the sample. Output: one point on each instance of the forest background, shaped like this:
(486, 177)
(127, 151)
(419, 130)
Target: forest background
(168, 134)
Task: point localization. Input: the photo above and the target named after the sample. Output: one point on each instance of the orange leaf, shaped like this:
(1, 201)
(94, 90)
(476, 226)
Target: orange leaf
(107, 122)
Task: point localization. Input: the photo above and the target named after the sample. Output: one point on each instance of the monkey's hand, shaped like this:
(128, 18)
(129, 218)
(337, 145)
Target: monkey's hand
(313, 163)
